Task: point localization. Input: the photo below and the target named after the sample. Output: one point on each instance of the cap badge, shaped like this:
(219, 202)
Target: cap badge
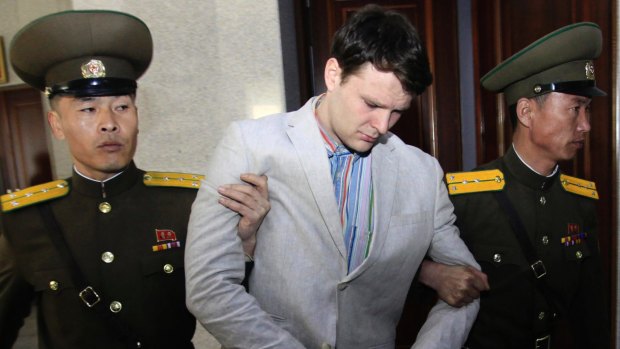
(93, 69)
(589, 70)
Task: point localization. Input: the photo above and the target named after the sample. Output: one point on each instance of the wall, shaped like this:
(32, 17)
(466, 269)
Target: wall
(215, 61)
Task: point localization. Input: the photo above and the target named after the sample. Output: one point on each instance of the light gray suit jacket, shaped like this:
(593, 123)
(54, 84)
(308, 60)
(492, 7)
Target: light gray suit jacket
(300, 293)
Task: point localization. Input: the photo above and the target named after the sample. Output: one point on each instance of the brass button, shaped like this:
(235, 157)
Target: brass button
(541, 315)
(497, 258)
(578, 254)
(107, 257)
(545, 240)
(54, 285)
(116, 306)
(168, 268)
(105, 207)
(543, 200)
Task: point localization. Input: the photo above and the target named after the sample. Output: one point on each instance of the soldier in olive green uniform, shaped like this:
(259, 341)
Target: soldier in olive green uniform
(533, 229)
(100, 252)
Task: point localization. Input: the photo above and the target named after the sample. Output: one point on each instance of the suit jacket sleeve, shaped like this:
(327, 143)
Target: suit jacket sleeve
(447, 326)
(214, 259)
(15, 297)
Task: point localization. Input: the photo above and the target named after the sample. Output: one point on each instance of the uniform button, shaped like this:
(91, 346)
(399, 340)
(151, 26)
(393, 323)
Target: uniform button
(107, 257)
(543, 200)
(168, 268)
(105, 207)
(497, 258)
(545, 240)
(578, 254)
(116, 306)
(53, 285)
(541, 315)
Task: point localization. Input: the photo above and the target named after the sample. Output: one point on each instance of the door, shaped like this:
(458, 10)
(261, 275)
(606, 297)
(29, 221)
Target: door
(24, 156)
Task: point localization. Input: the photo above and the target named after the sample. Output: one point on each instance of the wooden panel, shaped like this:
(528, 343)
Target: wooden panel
(24, 156)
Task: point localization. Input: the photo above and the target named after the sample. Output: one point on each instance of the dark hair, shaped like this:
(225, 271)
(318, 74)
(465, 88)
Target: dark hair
(387, 40)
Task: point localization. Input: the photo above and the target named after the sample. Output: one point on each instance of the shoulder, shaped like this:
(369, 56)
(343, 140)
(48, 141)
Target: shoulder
(579, 186)
(34, 195)
(172, 179)
(484, 180)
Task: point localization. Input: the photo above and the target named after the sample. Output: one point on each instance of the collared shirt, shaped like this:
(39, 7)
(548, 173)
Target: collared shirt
(352, 179)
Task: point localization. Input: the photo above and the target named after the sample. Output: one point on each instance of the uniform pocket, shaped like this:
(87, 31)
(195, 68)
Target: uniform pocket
(52, 280)
(164, 262)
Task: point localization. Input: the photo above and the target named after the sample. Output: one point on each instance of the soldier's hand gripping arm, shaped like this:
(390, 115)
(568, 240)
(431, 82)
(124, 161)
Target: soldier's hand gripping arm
(251, 201)
(455, 284)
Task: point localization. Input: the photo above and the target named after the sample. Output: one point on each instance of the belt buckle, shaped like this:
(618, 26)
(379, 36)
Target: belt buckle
(539, 269)
(543, 342)
(89, 297)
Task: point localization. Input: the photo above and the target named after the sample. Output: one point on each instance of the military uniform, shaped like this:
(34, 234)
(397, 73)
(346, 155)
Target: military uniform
(128, 237)
(536, 236)
(103, 259)
(561, 224)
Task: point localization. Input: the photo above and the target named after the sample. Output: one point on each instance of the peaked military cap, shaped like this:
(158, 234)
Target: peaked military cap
(83, 53)
(561, 61)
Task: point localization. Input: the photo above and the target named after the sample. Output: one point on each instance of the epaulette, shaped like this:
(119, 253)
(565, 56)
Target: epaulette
(172, 179)
(34, 195)
(475, 181)
(579, 186)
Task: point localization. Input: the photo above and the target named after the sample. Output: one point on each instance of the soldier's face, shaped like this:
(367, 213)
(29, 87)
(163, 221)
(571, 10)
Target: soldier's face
(558, 127)
(101, 132)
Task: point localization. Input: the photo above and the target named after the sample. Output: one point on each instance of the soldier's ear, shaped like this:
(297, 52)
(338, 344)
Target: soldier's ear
(525, 111)
(53, 119)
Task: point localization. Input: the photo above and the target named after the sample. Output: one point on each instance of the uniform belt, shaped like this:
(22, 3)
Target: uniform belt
(543, 342)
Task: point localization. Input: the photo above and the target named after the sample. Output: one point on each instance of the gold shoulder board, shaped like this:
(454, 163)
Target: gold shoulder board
(475, 181)
(34, 195)
(172, 179)
(579, 186)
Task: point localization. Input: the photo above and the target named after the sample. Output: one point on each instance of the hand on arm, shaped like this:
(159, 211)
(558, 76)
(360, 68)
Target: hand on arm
(456, 285)
(251, 202)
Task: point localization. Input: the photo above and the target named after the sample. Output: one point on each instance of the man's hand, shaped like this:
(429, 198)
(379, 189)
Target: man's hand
(251, 201)
(456, 285)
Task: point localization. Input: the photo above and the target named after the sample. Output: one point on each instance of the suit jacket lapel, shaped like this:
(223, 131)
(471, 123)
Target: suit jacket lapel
(304, 134)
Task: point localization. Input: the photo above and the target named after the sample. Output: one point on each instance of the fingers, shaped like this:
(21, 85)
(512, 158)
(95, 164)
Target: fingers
(259, 182)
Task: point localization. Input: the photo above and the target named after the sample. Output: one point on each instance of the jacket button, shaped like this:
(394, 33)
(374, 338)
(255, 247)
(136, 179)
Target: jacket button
(54, 285)
(578, 254)
(541, 315)
(107, 257)
(168, 268)
(543, 200)
(116, 306)
(105, 207)
(497, 258)
(545, 240)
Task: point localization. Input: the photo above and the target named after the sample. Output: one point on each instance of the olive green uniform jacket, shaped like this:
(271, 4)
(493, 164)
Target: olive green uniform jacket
(514, 312)
(131, 255)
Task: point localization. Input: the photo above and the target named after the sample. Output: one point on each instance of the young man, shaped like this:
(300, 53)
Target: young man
(102, 251)
(533, 229)
(353, 210)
